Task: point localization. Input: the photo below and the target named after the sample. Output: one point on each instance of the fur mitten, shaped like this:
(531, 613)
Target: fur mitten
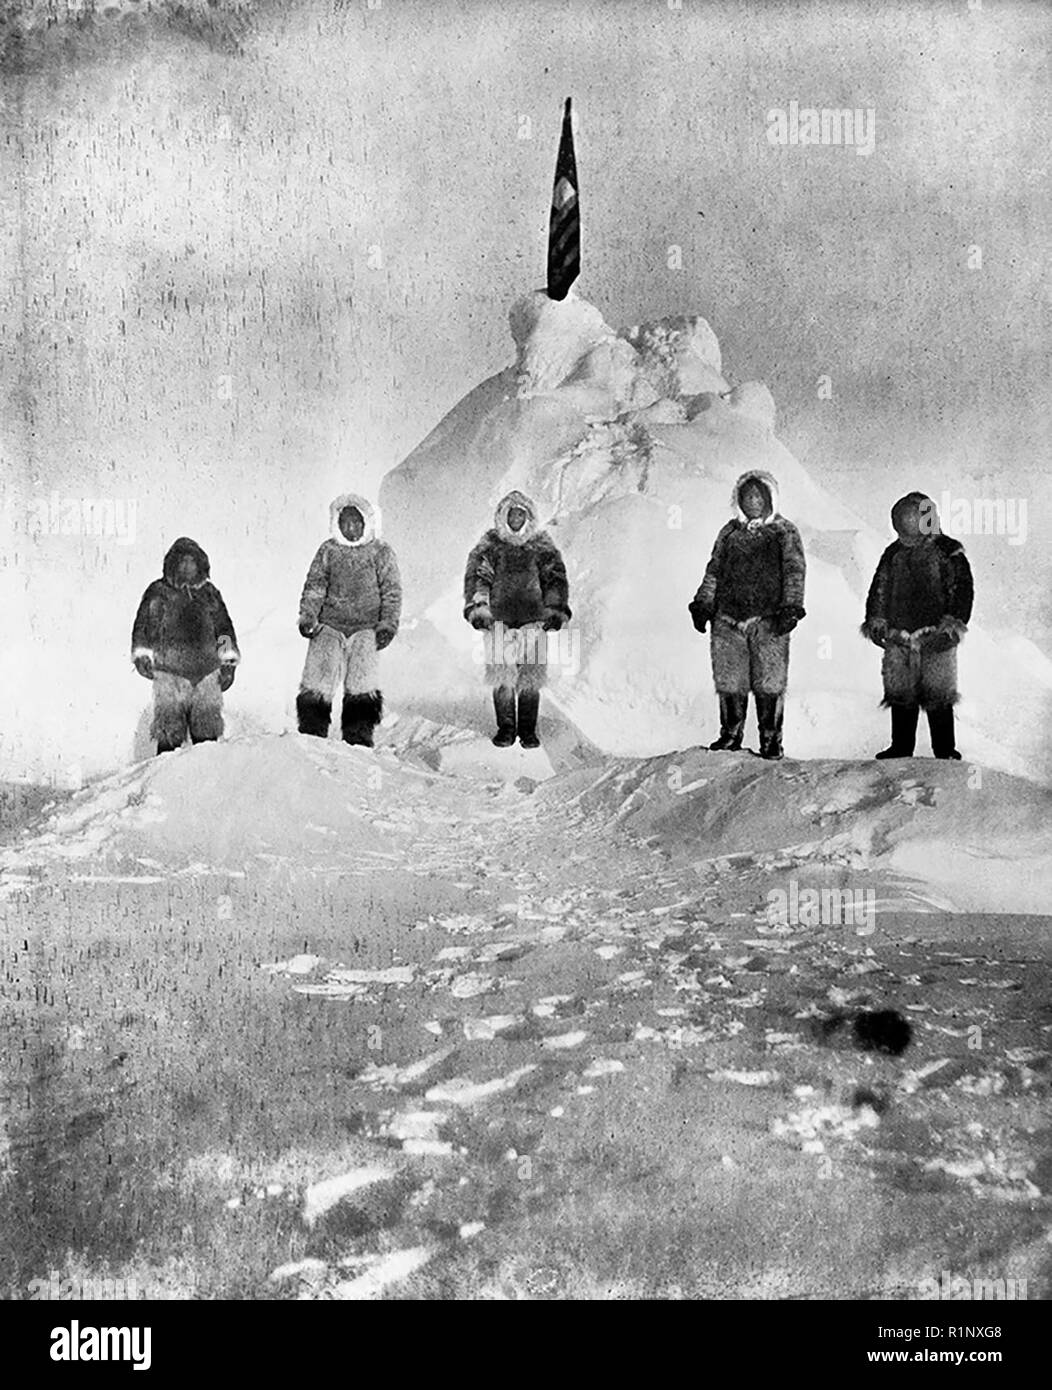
(947, 635)
(786, 620)
(700, 617)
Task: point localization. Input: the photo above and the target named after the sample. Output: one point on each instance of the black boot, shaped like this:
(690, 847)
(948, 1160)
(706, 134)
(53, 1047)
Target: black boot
(165, 747)
(313, 714)
(903, 732)
(504, 704)
(943, 740)
(733, 709)
(360, 716)
(529, 705)
(770, 710)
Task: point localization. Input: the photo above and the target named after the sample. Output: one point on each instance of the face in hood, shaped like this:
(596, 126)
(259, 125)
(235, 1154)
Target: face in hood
(185, 548)
(915, 516)
(767, 484)
(370, 516)
(513, 501)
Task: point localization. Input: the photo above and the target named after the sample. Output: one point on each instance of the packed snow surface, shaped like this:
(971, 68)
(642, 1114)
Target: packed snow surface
(943, 837)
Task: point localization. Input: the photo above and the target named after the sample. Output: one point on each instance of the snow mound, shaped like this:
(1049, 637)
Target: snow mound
(966, 844)
(311, 802)
(630, 442)
(943, 836)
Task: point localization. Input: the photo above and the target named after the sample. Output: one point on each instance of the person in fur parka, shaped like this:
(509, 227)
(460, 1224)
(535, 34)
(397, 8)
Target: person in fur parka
(753, 595)
(349, 610)
(183, 641)
(917, 611)
(515, 591)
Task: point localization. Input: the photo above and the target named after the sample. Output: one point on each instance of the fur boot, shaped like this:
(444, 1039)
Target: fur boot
(313, 713)
(529, 706)
(733, 709)
(943, 739)
(770, 711)
(360, 716)
(903, 731)
(504, 707)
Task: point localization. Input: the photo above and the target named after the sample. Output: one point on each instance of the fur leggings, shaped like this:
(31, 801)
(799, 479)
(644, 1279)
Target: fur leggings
(516, 657)
(334, 661)
(749, 656)
(181, 707)
(915, 675)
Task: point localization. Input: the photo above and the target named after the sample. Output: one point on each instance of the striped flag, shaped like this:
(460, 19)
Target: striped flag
(564, 230)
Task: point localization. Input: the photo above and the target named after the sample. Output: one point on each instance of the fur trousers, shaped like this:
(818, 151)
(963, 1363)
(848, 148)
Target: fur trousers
(915, 675)
(334, 661)
(181, 707)
(749, 656)
(516, 657)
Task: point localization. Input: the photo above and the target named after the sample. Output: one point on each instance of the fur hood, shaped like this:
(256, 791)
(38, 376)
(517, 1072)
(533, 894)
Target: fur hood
(500, 519)
(184, 629)
(185, 546)
(769, 484)
(370, 515)
(921, 503)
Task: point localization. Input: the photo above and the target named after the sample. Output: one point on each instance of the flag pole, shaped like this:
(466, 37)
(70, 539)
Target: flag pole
(564, 227)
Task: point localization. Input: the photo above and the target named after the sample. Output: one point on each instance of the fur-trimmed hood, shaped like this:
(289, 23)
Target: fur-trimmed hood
(370, 516)
(921, 503)
(769, 484)
(184, 629)
(500, 519)
(516, 578)
(176, 551)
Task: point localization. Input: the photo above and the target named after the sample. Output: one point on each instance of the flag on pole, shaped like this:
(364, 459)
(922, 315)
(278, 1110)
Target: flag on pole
(564, 229)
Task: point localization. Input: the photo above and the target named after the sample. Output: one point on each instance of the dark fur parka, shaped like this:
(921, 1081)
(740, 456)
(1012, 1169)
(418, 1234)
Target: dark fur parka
(185, 629)
(757, 568)
(519, 576)
(921, 585)
(918, 607)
